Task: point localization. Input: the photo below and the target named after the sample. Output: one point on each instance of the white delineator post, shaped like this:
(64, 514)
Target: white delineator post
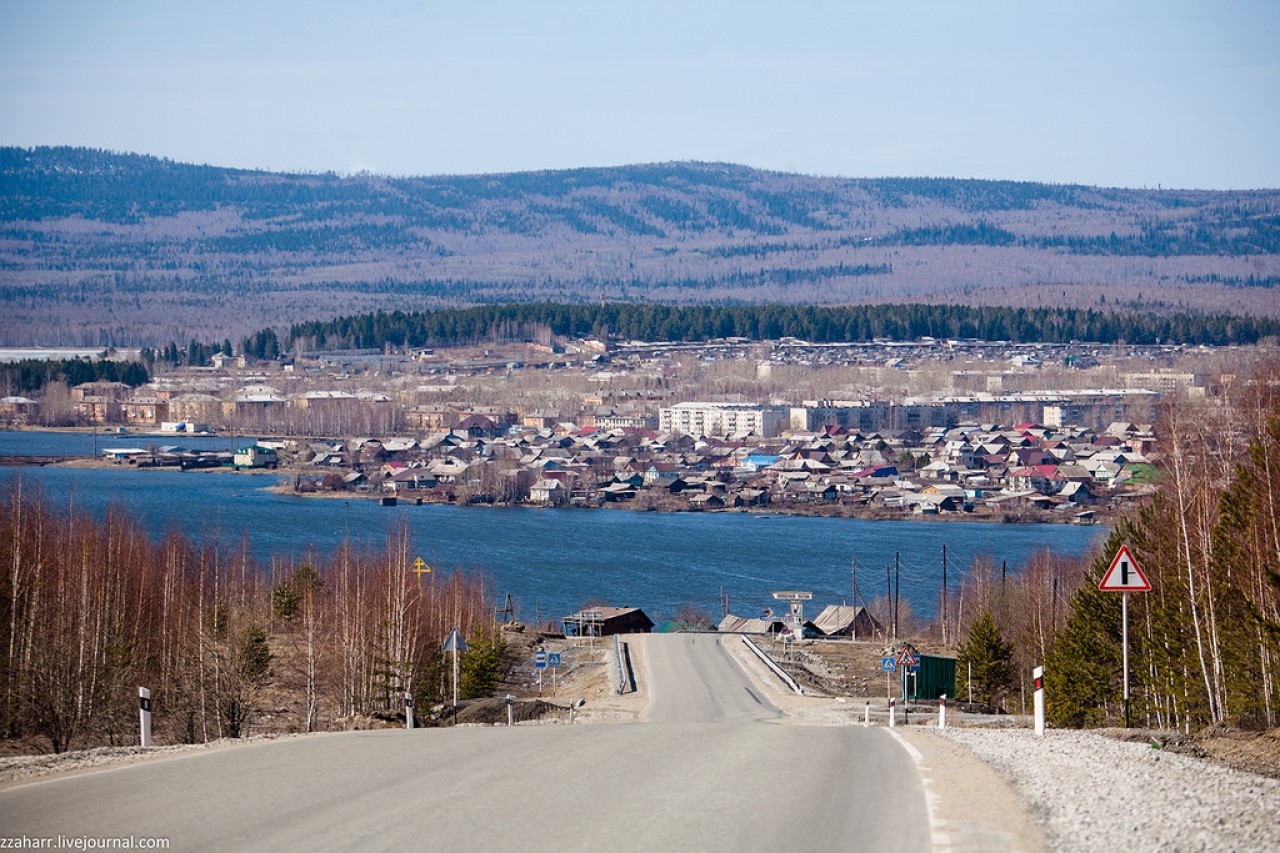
(942, 712)
(408, 710)
(144, 715)
(1038, 675)
(892, 714)
(511, 712)
(866, 716)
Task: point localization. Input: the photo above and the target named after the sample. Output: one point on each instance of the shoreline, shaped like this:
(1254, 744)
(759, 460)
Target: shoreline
(284, 489)
(652, 502)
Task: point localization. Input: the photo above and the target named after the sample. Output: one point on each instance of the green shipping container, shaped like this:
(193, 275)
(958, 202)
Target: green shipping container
(937, 676)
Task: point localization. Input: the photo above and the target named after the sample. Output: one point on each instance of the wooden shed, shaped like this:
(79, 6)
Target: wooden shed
(603, 621)
(839, 620)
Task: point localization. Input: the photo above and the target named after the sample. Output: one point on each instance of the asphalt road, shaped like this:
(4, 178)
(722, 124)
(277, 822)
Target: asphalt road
(712, 769)
(692, 679)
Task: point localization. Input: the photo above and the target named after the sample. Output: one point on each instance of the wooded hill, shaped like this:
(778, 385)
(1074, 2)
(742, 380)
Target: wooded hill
(109, 249)
(462, 326)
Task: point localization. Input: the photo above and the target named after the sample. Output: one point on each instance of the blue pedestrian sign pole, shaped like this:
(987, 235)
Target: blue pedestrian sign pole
(540, 663)
(553, 661)
(888, 664)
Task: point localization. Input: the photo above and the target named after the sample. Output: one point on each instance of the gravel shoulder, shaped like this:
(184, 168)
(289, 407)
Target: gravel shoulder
(1092, 792)
(18, 770)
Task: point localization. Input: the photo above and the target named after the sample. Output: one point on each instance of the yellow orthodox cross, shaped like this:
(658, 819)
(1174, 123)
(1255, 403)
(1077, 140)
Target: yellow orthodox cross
(420, 568)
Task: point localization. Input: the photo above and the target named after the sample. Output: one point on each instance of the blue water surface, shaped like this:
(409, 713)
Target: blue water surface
(553, 560)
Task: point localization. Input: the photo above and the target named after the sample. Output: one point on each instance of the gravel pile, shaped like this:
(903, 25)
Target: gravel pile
(1094, 793)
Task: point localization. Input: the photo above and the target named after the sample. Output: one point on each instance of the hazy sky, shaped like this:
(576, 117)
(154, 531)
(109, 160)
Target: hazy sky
(1106, 92)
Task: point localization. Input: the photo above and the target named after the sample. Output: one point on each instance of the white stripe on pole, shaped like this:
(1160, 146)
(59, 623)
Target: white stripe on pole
(144, 715)
(942, 712)
(1038, 675)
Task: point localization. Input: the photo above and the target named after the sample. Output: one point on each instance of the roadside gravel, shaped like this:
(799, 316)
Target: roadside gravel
(20, 769)
(1091, 792)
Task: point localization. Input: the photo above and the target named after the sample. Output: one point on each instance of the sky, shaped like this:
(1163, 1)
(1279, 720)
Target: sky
(1132, 93)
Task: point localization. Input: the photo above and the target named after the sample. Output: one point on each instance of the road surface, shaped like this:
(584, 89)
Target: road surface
(712, 768)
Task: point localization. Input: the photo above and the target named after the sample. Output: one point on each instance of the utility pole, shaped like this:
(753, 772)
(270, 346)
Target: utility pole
(1053, 602)
(854, 571)
(888, 601)
(944, 595)
(897, 589)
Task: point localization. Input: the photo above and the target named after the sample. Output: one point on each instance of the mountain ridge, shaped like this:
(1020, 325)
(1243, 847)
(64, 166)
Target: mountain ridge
(100, 248)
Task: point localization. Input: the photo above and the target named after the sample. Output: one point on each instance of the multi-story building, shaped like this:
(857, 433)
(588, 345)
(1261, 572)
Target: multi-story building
(854, 415)
(194, 408)
(723, 419)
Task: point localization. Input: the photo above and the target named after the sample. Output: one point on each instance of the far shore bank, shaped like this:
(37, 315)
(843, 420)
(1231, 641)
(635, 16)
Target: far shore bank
(284, 487)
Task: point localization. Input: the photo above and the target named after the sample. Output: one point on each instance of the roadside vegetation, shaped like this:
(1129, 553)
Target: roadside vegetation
(92, 609)
(1204, 643)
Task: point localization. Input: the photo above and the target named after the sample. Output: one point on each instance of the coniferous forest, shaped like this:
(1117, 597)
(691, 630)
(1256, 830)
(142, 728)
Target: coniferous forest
(452, 327)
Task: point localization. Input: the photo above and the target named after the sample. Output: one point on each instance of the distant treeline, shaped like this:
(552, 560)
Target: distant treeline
(449, 327)
(33, 374)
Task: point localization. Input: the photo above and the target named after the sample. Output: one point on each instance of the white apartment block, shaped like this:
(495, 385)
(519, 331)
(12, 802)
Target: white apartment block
(723, 419)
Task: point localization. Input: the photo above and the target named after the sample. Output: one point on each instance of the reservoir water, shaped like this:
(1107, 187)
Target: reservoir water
(554, 560)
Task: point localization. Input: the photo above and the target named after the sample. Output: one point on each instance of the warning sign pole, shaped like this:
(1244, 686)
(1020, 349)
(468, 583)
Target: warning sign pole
(1124, 576)
(1124, 642)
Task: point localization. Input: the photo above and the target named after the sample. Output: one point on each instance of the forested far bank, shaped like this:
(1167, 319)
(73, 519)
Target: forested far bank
(648, 322)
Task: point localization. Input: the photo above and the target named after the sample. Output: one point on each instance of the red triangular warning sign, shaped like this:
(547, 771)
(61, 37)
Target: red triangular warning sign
(1124, 574)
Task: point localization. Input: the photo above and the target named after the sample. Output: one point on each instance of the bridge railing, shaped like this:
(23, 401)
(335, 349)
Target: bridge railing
(620, 664)
(773, 666)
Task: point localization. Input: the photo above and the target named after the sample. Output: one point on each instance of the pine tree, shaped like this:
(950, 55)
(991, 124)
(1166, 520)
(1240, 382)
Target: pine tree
(991, 657)
(480, 666)
(1083, 669)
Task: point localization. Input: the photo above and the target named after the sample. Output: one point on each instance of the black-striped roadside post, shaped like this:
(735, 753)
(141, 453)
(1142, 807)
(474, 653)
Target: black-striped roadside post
(1037, 676)
(408, 710)
(866, 715)
(144, 715)
(942, 712)
(892, 713)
